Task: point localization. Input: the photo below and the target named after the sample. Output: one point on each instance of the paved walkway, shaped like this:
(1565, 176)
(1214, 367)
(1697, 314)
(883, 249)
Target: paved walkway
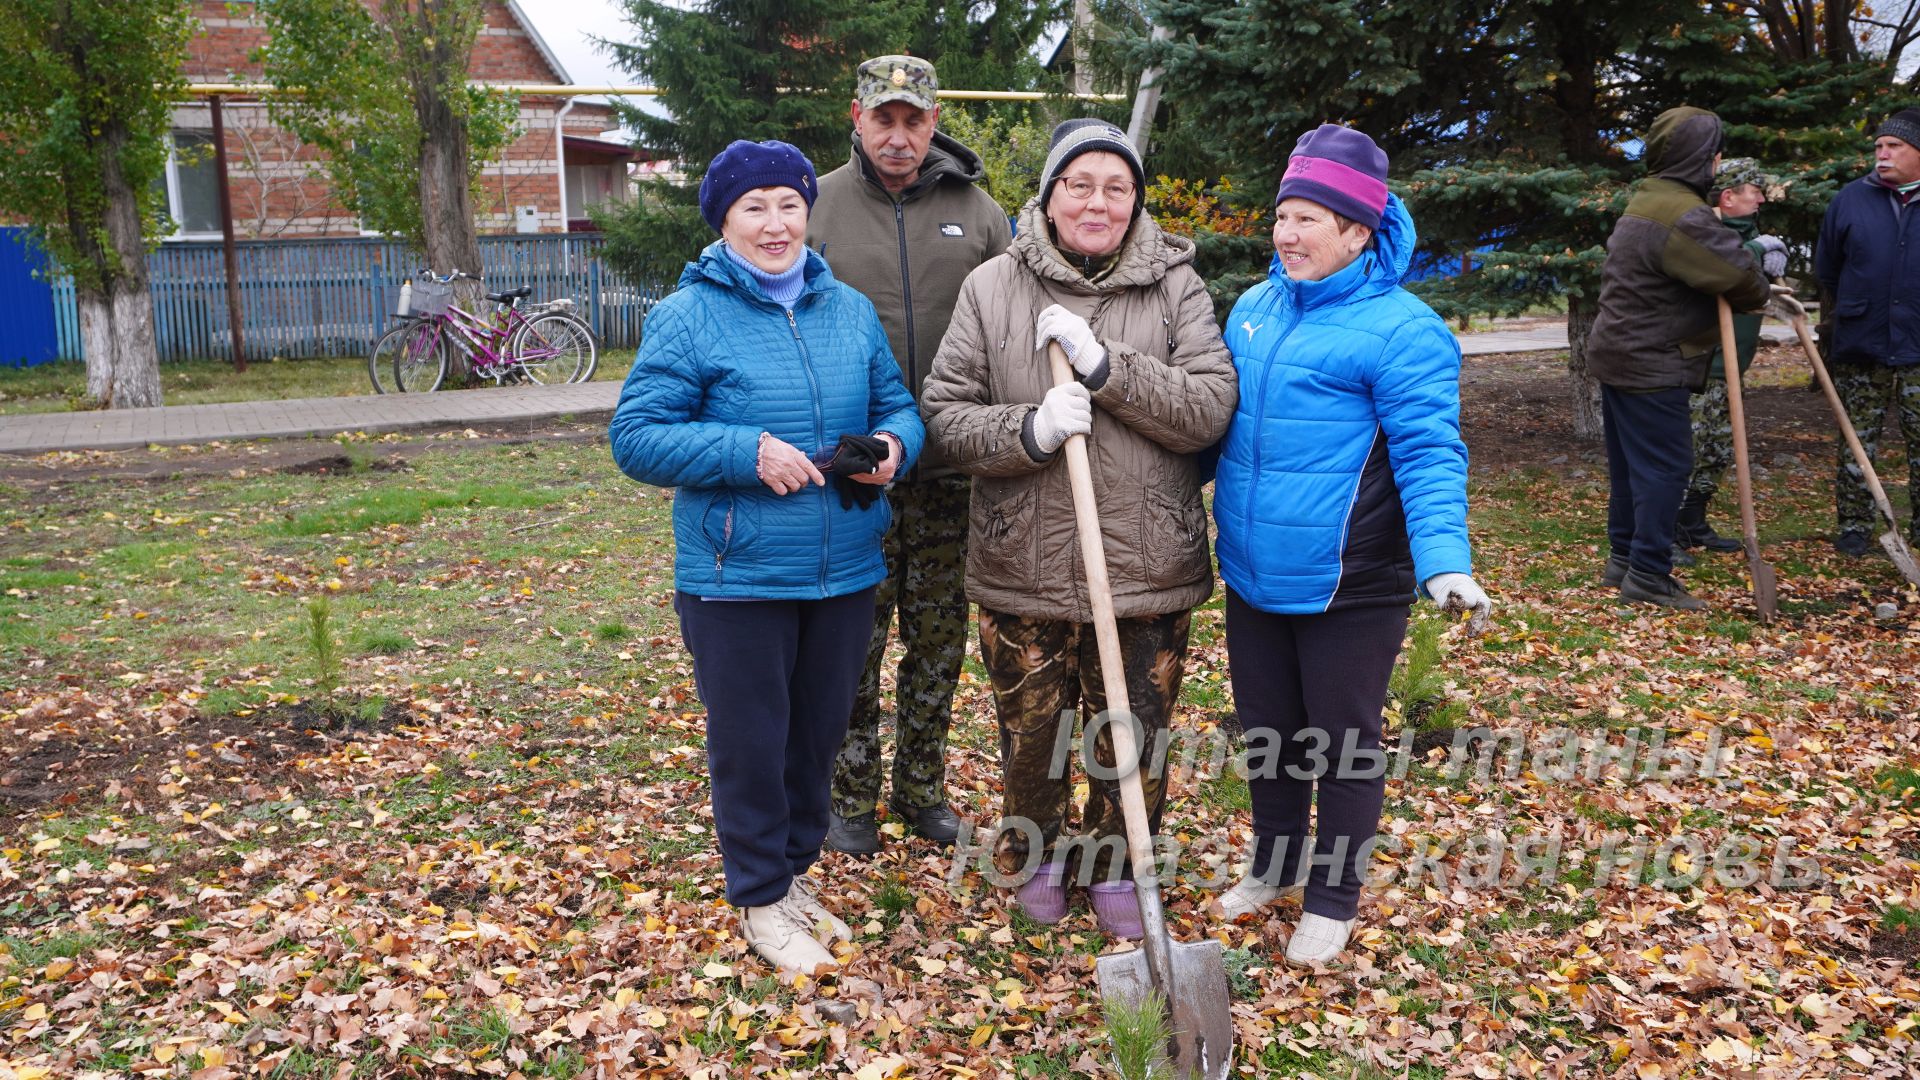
(123, 429)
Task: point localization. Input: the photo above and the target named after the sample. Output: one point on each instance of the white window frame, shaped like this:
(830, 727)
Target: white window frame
(180, 232)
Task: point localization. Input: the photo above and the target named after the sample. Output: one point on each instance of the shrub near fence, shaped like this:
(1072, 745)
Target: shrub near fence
(333, 297)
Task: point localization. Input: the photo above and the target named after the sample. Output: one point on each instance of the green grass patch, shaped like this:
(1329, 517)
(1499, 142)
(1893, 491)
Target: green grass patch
(399, 506)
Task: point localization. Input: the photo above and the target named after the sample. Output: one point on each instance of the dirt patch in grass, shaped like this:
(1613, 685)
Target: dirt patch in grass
(73, 755)
(1900, 943)
(1515, 410)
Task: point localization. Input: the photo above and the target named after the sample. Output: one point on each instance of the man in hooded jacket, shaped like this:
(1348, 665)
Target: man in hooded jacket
(1668, 259)
(904, 222)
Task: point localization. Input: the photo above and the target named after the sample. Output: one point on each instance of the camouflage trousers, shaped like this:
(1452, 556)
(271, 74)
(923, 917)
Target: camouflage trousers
(1046, 672)
(926, 550)
(1712, 441)
(1865, 391)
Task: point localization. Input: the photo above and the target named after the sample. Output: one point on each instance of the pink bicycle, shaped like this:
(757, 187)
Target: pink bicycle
(547, 344)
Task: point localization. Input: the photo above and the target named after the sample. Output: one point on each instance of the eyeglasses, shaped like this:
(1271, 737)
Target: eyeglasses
(1081, 188)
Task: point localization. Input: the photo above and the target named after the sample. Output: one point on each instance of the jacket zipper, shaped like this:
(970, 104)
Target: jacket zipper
(726, 541)
(906, 299)
(819, 442)
(1260, 411)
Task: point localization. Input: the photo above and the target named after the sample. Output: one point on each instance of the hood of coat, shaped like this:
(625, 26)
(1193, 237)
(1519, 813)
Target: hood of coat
(947, 159)
(1145, 256)
(1681, 145)
(715, 268)
(1379, 268)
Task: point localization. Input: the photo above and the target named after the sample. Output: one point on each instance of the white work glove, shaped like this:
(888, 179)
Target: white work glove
(1066, 410)
(1784, 305)
(1074, 335)
(1773, 254)
(1456, 593)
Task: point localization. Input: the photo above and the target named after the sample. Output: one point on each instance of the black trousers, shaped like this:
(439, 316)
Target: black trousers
(1649, 457)
(777, 678)
(1309, 690)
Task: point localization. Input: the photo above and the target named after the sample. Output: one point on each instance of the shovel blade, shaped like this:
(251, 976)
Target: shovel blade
(1901, 556)
(1200, 1013)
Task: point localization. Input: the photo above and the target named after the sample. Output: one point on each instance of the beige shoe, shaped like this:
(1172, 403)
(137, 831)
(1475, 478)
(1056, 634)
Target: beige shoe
(1251, 895)
(802, 898)
(1318, 939)
(782, 937)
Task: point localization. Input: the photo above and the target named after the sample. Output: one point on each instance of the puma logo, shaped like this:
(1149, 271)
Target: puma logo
(1250, 328)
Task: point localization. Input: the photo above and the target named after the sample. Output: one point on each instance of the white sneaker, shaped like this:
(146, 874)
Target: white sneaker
(1252, 894)
(802, 898)
(782, 937)
(1318, 939)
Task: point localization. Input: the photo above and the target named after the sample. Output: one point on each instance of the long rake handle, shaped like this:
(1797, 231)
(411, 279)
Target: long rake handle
(1839, 407)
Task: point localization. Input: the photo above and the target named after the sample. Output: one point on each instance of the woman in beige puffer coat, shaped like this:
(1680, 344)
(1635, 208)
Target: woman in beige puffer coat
(1155, 386)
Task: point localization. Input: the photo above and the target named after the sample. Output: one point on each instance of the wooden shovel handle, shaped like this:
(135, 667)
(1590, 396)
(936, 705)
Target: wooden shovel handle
(1106, 631)
(1737, 412)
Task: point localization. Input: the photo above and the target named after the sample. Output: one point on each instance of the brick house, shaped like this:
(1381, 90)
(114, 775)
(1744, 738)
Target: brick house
(554, 170)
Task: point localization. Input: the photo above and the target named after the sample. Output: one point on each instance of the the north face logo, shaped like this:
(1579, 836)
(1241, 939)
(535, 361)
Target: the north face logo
(949, 228)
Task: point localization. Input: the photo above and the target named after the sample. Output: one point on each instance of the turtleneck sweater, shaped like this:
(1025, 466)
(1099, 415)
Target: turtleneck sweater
(782, 288)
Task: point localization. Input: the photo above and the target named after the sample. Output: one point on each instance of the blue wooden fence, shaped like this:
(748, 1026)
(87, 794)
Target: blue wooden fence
(333, 297)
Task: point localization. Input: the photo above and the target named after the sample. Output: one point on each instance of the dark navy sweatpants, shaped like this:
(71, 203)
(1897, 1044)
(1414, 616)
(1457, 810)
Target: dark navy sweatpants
(1309, 690)
(1649, 457)
(778, 679)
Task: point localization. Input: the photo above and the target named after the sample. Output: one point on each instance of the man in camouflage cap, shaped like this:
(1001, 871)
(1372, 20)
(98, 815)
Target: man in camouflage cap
(1740, 187)
(904, 222)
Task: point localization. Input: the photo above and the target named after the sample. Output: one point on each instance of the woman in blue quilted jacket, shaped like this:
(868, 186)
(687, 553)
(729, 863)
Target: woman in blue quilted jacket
(1341, 490)
(766, 395)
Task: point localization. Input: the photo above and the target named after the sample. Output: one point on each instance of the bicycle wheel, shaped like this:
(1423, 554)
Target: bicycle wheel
(555, 348)
(420, 366)
(385, 351)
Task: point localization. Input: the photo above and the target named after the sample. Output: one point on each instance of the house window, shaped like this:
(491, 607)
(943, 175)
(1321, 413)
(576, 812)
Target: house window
(589, 186)
(193, 184)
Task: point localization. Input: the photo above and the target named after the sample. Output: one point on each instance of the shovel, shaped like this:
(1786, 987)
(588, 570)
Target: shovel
(1765, 595)
(1192, 979)
(1896, 547)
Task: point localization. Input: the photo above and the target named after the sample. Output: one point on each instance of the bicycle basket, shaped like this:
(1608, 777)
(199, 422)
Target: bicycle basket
(431, 298)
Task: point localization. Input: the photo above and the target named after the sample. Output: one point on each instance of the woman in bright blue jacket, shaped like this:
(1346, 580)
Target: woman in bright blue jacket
(766, 395)
(1342, 483)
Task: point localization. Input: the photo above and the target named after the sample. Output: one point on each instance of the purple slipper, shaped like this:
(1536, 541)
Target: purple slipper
(1117, 909)
(1044, 896)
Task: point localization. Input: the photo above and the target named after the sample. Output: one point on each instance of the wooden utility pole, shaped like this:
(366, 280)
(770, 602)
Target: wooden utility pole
(1082, 36)
(234, 320)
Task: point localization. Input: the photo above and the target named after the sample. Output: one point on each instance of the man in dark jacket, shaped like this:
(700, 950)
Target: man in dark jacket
(1868, 259)
(904, 223)
(1668, 259)
(1739, 190)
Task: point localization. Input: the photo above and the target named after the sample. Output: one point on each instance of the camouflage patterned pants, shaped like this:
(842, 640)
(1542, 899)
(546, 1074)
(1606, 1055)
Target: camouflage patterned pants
(926, 582)
(1865, 390)
(1044, 672)
(1712, 441)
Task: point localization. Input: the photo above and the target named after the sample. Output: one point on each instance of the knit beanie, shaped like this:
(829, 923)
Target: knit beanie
(1342, 170)
(744, 166)
(1075, 137)
(1903, 125)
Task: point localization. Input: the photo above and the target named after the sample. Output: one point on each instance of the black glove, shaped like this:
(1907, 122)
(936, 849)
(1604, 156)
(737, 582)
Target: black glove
(855, 455)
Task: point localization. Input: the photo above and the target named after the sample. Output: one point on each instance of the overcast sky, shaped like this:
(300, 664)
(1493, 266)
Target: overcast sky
(566, 25)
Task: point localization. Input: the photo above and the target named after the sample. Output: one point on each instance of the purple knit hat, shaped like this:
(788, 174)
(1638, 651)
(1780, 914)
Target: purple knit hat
(1342, 170)
(745, 166)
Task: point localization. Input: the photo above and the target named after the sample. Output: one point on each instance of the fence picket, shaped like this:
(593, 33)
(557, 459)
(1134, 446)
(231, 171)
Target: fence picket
(334, 296)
